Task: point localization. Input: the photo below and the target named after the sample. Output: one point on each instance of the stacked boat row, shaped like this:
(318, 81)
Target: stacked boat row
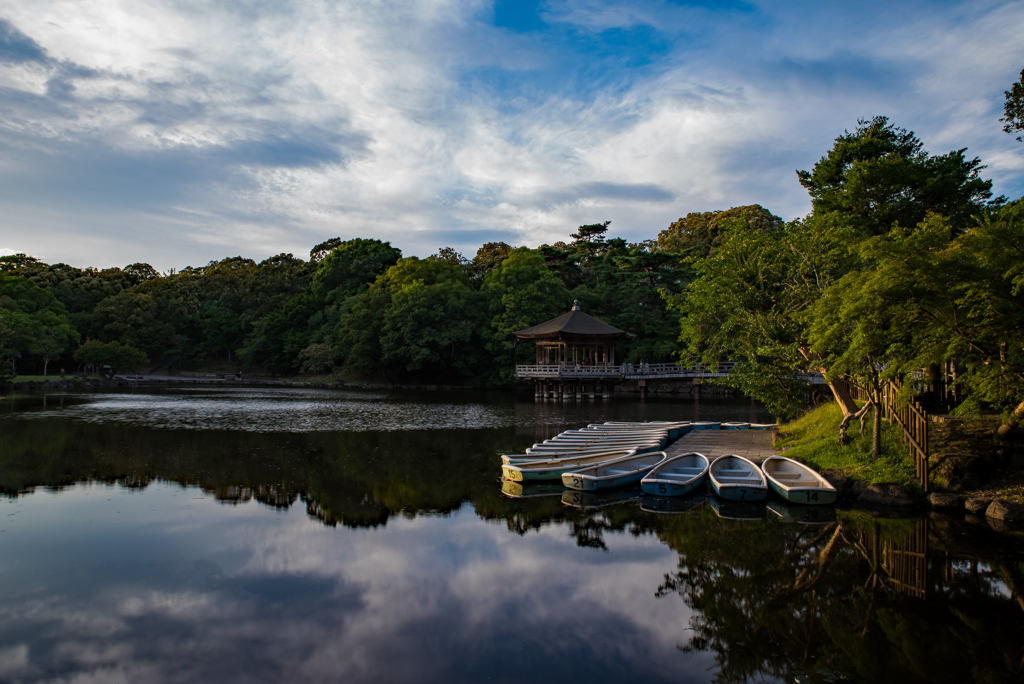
(614, 455)
(625, 444)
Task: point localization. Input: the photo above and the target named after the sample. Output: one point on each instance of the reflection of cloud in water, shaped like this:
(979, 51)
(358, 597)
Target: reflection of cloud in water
(283, 411)
(312, 410)
(252, 594)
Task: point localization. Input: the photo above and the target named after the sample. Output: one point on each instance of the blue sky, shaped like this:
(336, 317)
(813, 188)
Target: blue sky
(180, 131)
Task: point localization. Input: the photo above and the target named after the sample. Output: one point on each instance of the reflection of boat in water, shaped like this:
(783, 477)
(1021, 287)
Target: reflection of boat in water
(516, 490)
(578, 499)
(797, 483)
(672, 504)
(807, 515)
(737, 510)
(676, 476)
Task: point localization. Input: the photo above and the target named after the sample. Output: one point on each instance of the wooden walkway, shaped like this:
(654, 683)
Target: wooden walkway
(755, 445)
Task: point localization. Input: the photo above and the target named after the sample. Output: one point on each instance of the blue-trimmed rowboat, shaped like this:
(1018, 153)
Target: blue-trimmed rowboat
(704, 426)
(676, 476)
(621, 473)
(737, 479)
(763, 426)
(734, 426)
(797, 483)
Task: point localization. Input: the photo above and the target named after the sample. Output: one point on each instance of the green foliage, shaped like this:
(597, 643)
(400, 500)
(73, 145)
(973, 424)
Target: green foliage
(421, 317)
(1013, 109)
(880, 176)
(32, 321)
(352, 266)
(113, 354)
(700, 233)
(522, 292)
(749, 302)
(320, 358)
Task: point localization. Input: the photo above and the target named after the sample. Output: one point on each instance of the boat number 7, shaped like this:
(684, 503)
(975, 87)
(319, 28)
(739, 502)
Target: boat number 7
(812, 496)
(743, 493)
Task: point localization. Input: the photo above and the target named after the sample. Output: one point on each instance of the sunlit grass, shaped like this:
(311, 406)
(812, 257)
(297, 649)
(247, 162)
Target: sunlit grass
(813, 439)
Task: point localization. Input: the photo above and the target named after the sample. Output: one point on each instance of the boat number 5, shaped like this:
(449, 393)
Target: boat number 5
(812, 496)
(661, 488)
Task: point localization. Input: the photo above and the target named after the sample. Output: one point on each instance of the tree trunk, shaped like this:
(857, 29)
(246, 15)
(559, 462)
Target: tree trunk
(46, 364)
(876, 429)
(843, 397)
(846, 422)
(1011, 423)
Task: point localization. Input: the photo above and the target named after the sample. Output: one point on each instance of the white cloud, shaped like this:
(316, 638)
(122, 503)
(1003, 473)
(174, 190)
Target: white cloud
(179, 132)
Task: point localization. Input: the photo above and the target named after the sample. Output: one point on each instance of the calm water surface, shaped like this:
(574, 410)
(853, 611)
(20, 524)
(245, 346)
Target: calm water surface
(302, 535)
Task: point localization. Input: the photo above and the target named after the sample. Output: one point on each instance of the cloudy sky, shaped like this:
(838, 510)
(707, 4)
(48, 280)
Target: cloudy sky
(180, 131)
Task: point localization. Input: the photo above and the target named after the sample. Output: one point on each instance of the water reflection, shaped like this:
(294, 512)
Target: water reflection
(142, 554)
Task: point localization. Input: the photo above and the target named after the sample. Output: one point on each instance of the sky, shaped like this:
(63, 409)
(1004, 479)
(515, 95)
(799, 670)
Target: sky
(176, 132)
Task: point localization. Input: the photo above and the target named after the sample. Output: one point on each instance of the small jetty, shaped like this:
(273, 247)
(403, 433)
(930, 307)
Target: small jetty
(753, 445)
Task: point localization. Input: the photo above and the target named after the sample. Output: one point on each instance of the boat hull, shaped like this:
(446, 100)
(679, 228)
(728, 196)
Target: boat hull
(739, 492)
(663, 488)
(805, 496)
(575, 481)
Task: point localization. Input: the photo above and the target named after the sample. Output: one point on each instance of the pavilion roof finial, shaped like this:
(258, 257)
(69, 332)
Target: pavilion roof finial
(576, 305)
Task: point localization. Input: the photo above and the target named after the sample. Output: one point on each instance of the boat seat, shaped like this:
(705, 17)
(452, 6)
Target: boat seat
(786, 476)
(676, 476)
(688, 471)
(732, 470)
(737, 478)
(615, 471)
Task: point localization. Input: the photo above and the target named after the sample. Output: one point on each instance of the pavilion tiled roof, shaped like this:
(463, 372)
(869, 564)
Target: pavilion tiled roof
(575, 322)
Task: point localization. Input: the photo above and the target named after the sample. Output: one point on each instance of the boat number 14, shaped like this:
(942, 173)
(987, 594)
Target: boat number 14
(812, 496)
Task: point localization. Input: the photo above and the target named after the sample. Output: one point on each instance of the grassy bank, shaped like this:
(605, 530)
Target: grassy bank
(813, 439)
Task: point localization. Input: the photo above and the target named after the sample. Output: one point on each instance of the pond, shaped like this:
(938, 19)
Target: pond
(239, 534)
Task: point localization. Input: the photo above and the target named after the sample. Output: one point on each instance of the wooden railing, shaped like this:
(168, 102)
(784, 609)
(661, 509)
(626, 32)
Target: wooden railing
(913, 421)
(636, 371)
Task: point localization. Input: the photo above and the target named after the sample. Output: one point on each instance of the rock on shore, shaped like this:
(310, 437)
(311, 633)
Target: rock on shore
(1004, 510)
(886, 494)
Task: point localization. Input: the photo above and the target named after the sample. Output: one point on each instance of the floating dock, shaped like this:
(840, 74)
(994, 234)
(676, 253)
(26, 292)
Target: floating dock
(754, 445)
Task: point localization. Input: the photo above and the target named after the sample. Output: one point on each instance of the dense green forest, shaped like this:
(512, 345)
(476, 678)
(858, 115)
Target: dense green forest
(906, 261)
(357, 305)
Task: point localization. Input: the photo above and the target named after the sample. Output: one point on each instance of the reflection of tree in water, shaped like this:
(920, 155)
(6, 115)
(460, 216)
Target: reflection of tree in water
(589, 532)
(842, 599)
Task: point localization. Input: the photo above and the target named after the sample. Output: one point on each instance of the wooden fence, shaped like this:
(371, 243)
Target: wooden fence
(913, 420)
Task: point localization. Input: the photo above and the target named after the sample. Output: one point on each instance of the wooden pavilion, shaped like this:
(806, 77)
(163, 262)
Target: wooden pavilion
(575, 355)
